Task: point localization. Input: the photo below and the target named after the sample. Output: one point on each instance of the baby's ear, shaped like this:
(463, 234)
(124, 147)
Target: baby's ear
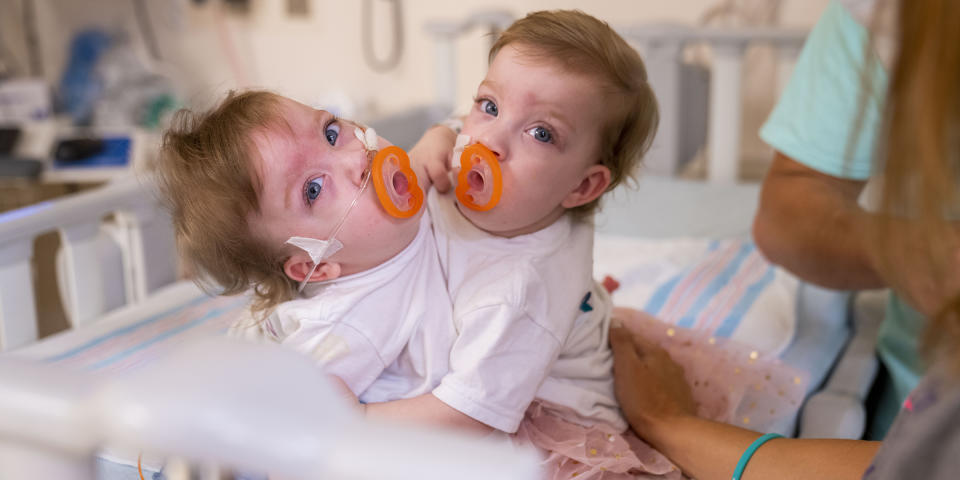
(298, 266)
(595, 181)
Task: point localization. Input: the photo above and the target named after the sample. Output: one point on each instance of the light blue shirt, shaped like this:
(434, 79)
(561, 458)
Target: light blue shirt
(815, 123)
(815, 120)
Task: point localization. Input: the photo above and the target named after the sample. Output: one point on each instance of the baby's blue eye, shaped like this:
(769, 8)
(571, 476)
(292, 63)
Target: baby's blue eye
(313, 189)
(541, 134)
(489, 107)
(332, 132)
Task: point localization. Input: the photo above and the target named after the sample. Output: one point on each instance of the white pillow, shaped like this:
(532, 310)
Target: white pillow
(722, 287)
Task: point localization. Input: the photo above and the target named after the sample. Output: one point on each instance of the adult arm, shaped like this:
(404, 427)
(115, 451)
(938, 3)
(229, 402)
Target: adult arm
(658, 404)
(810, 223)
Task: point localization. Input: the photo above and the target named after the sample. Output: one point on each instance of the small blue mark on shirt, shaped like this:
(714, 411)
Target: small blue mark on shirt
(585, 303)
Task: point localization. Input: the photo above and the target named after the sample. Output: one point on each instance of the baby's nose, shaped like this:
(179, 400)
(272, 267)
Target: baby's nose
(490, 139)
(359, 166)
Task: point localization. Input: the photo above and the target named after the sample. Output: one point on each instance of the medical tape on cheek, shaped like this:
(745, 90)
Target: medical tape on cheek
(319, 250)
(479, 182)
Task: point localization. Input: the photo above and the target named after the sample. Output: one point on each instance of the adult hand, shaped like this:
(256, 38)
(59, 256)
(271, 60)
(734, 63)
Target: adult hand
(431, 157)
(650, 386)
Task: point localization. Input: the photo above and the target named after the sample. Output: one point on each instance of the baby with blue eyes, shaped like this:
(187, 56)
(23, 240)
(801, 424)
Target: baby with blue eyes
(562, 116)
(477, 312)
(320, 220)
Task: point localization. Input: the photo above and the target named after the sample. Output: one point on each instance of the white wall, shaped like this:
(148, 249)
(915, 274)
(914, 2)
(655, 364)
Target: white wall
(306, 56)
(309, 57)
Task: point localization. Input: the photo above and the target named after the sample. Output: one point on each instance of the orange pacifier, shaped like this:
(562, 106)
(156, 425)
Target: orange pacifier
(396, 183)
(479, 183)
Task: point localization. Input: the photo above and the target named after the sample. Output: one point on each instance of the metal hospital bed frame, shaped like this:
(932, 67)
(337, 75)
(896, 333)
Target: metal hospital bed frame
(119, 267)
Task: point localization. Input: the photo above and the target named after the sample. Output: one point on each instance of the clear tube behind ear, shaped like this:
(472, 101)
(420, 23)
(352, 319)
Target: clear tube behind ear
(319, 250)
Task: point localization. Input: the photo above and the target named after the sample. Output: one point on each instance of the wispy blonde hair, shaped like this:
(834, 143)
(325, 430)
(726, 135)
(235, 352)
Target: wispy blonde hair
(206, 176)
(582, 44)
(920, 161)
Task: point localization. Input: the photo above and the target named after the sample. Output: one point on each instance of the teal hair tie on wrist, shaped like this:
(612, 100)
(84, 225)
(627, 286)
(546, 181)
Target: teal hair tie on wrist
(742, 464)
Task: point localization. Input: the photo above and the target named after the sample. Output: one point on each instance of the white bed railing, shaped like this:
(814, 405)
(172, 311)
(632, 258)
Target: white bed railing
(142, 243)
(680, 117)
(252, 408)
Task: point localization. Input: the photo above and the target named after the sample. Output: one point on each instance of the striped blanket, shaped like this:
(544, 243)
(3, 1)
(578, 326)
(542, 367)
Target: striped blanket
(134, 336)
(724, 288)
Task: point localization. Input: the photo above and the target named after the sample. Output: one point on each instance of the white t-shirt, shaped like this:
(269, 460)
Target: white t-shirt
(386, 332)
(521, 332)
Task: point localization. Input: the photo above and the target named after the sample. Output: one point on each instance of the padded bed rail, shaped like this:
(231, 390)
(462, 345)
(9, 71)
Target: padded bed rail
(141, 246)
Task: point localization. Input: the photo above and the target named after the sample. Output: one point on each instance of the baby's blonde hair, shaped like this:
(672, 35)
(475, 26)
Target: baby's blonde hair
(582, 44)
(206, 176)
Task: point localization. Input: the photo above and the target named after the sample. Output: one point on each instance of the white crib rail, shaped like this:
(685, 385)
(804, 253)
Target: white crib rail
(147, 248)
(255, 408)
(663, 48)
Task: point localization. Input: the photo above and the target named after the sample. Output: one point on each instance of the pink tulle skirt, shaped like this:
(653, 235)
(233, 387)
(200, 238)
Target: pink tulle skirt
(731, 383)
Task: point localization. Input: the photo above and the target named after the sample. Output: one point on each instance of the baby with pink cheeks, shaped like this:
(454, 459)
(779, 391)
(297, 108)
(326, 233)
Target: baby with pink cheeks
(322, 220)
(478, 312)
(563, 115)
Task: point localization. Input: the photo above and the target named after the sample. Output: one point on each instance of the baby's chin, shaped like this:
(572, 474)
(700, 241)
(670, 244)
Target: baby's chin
(495, 222)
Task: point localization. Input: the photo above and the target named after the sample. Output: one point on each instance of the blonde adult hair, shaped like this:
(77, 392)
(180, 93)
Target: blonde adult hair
(920, 161)
(207, 178)
(582, 44)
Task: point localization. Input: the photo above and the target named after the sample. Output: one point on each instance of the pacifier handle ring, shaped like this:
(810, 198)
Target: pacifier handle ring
(380, 186)
(490, 160)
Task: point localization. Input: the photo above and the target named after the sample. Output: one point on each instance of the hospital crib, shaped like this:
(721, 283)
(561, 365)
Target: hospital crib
(127, 310)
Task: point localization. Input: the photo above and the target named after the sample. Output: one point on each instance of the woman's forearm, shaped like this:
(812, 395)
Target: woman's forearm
(709, 450)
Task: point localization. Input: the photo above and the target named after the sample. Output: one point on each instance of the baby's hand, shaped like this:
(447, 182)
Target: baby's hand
(431, 157)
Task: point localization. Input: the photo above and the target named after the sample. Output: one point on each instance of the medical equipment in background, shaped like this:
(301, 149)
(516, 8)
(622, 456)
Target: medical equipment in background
(395, 53)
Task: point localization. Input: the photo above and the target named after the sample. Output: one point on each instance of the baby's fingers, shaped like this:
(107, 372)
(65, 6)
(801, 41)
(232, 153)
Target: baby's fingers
(439, 175)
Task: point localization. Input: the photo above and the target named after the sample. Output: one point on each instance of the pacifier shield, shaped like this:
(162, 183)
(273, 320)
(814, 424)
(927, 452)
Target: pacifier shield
(396, 183)
(479, 183)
